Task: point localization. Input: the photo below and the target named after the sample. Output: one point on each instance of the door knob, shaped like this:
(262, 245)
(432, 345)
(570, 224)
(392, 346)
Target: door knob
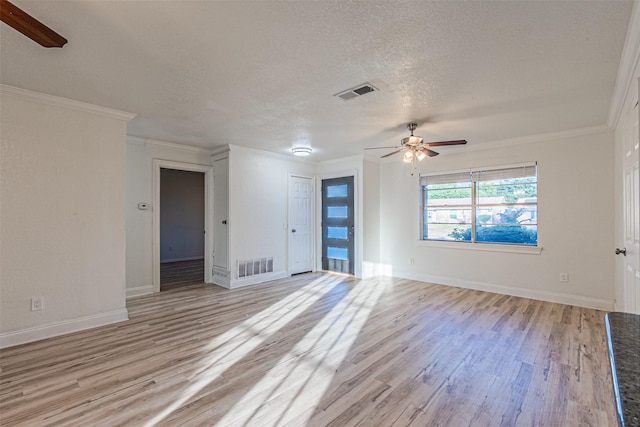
(224, 221)
(622, 251)
(293, 230)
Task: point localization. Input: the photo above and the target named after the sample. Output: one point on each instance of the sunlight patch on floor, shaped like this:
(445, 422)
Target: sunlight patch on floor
(230, 347)
(307, 370)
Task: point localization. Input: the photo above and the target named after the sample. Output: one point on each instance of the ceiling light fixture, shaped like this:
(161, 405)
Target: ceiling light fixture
(301, 151)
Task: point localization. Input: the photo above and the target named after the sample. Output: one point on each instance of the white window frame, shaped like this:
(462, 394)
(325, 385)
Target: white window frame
(482, 246)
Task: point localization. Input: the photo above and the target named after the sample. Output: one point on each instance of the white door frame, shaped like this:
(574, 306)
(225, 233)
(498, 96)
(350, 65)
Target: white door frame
(312, 225)
(208, 215)
(358, 219)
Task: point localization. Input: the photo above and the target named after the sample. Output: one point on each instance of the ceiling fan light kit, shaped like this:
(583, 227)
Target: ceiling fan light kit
(411, 155)
(301, 151)
(407, 157)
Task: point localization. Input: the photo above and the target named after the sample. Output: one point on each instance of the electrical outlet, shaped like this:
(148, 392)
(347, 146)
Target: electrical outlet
(564, 277)
(411, 261)
(37, 303)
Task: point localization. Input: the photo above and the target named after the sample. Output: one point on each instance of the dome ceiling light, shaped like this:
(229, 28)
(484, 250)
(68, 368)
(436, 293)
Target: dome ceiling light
(301, 151)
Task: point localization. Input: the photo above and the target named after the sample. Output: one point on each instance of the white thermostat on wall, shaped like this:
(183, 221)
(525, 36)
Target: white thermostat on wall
(143, 206)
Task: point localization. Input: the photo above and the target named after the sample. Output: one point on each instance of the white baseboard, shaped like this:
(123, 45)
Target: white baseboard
(137, 291)
(556, 297)
(373, 269)
(254, 280)
(10, 339)
(221, 277)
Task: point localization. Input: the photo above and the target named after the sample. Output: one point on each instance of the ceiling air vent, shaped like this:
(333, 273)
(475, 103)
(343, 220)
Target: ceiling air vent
(356, 91)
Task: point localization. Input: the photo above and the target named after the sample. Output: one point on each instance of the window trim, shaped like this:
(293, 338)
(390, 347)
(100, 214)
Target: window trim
(479, 246)
(474, 245)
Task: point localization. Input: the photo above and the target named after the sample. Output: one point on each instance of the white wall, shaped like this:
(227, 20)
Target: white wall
(576, 229)
(62, 222)
(258, 197)
(139, 188)
(371, 219)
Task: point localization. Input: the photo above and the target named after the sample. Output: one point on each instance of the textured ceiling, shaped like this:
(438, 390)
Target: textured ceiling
(263, 73)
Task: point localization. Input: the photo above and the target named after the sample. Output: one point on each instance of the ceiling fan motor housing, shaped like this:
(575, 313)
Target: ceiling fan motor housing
(412, 140)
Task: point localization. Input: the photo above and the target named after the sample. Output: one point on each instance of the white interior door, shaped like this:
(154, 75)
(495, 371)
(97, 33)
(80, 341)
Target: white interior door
(630, 251)
(300, 224)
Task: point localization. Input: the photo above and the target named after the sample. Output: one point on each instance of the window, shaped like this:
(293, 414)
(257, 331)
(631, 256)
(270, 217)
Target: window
(497, 206)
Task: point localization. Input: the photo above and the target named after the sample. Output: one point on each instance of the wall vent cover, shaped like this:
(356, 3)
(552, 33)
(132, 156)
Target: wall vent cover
(253, 267)
(357, 91)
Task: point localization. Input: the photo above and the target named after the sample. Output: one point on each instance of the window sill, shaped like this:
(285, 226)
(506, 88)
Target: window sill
(488, 247)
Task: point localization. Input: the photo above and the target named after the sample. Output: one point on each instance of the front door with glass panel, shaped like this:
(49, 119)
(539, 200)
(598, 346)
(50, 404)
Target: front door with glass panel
(337, 225)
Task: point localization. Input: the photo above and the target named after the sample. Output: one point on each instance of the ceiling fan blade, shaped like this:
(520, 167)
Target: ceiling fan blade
(390, 154)
(441, 143)
(429, 153)
(377, 148)
(20, 20)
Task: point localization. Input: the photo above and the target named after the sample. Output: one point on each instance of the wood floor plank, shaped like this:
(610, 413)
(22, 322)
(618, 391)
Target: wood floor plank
(319, 349)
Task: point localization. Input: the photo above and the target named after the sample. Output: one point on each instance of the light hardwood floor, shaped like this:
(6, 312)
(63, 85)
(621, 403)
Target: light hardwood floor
(319, 349)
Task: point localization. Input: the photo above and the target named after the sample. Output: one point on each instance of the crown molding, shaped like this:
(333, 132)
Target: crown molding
(136, 140)
(626, 68)
(215, 151)
(285, 157)
(176, 146)
(220, 150)
(353, 158)
(71, 104)
(541, 137)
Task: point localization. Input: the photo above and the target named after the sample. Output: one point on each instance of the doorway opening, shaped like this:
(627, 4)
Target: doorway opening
(205, 173)
(182, 225)
(338, 225)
